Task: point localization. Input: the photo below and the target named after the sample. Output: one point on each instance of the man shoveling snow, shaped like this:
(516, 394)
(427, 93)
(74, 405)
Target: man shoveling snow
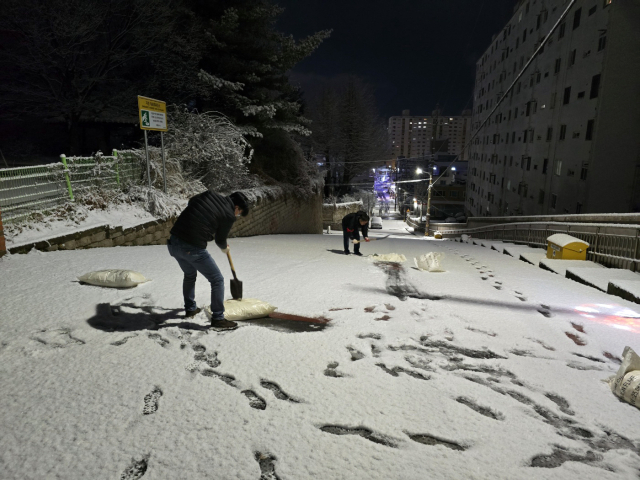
(208, 216)
(351, 224)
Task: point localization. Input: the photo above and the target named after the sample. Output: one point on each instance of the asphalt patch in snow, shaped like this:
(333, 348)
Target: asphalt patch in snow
(397, 284)
(362, 432)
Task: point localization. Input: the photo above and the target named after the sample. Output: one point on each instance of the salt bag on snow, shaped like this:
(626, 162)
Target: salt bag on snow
(244, 309)
(430, 262)
(114, 278)
(388, 257)
(626, 383)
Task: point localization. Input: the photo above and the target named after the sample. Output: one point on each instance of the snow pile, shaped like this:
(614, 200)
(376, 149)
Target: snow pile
(388, 257)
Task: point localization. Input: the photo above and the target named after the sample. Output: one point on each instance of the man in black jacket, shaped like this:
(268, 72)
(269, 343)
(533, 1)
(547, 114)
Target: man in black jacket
(351, 224)
(208, 216)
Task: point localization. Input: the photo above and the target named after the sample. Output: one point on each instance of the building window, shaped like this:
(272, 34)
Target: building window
(545, 166)
(561, 30)
(557, 66)
(559, 167)
(607, 3)
(549, 134)
(541, 197)
(572, 57)
(595, 86)
(554, 200)
(576, 18)
(527, 161)
(602, 42)
(563, 132)
(583, 173)
(589, 134)
(581, 94)
(524, 138)
(567, 96)
(592, 10)
(579, 205)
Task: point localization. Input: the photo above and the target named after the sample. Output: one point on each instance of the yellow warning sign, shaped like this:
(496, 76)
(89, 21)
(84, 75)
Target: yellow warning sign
(153, 114)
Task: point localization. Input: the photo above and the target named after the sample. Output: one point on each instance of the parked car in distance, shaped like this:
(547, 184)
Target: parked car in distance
(376, 222)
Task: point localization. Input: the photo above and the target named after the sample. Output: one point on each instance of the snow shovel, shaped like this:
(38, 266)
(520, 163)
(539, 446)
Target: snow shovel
(236, 285)
(373, 239)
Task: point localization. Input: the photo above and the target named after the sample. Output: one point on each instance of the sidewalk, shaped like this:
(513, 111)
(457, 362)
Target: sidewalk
(492, 369)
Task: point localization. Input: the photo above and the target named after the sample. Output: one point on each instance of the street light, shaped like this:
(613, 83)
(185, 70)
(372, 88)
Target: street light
(418, 171)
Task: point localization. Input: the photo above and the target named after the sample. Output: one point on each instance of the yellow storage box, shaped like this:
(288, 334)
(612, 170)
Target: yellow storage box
(561, 246)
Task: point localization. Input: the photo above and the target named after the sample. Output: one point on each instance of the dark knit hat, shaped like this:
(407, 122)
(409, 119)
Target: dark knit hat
(240, 200)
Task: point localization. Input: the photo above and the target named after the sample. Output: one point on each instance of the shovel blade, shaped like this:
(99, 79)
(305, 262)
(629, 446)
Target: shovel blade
(236, 289)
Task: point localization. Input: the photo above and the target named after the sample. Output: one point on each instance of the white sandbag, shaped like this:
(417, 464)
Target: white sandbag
(244, 309)
(388, 257)
(626, 383)
(430, 262)
(114, 278)
(465, 237)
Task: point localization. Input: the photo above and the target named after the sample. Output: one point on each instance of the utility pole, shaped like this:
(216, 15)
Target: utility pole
(426, 227)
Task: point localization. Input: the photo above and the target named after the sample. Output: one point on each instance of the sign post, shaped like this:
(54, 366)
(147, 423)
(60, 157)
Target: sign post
(153, 116)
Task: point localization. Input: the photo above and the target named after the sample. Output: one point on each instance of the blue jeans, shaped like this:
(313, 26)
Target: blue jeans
(347, 236)
(193, 260)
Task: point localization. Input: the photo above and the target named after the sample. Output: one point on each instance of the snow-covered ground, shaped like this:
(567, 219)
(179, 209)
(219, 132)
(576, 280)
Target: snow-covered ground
(124, 215)
(491, 370)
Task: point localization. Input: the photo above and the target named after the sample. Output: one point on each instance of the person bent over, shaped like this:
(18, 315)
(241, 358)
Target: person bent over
(351, 226)
(208, 216)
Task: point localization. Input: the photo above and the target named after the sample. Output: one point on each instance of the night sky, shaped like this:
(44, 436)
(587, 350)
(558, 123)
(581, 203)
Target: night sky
(415, 53)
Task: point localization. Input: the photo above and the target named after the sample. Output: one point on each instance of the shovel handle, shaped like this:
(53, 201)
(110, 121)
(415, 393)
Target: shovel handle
(231, 265)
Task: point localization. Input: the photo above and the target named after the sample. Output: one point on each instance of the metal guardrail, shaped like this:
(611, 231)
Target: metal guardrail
(26, 190)
(614, 246)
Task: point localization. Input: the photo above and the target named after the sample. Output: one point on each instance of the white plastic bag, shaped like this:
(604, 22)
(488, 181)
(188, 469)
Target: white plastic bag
(114, 278)
(626, 383)
(244, 309)
(430, 262)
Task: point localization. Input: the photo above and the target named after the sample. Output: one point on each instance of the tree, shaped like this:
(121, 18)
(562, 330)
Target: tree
(73, 61)
(347, 128)
(246, 63)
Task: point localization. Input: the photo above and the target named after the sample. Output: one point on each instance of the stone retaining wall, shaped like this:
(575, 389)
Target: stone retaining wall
(274, 211)
(332, 214)
(3, 247)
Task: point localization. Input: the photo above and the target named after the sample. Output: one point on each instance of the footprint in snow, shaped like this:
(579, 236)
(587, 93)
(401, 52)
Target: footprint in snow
(136, 469)
(151, 401)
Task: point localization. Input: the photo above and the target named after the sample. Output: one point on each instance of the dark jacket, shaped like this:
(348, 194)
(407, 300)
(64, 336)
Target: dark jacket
(352, 223)
(207, 216)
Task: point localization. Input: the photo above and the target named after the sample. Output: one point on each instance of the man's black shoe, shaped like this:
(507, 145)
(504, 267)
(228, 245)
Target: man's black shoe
(223, 324)
(192, 313)
(357, 253)
(346, 252)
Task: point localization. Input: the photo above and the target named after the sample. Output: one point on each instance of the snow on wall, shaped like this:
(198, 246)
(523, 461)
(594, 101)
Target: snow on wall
(274, 210)
(332, 214)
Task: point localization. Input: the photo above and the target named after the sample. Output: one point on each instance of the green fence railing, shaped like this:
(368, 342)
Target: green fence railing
(26, 190)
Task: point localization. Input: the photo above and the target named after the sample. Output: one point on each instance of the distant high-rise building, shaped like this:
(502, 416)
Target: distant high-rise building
(567, 137)
(418, 136)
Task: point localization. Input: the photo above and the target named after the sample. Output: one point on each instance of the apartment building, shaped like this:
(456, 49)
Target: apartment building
(567, 137)
(416, 136)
